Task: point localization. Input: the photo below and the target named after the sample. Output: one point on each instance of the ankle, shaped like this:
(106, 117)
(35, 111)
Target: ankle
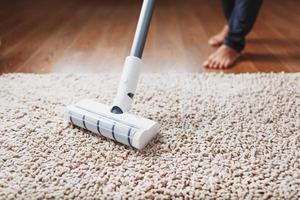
(226, 28)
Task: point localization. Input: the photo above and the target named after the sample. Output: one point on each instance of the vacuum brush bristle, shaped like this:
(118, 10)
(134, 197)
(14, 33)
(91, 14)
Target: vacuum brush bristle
(124, 128)
(105, 127)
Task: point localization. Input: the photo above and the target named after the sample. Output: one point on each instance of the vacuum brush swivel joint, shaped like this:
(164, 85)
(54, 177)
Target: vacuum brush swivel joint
(128, 85)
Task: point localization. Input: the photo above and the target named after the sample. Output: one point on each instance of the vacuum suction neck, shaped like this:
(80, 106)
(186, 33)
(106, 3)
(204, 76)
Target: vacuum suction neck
(117, 110)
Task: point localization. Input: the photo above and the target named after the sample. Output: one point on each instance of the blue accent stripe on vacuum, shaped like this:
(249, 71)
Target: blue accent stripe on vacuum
(71, 119)
(129, 133)
(70, 116)
(83, 120)
(113, 132)
(98, 127)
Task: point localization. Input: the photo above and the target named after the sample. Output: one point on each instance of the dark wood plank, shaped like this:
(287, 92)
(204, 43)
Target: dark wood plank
(116, 37)
(96, 36)
(46, 57)
(36, 37)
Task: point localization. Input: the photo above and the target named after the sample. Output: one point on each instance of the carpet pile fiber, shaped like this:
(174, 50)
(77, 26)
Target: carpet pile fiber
(222, 136)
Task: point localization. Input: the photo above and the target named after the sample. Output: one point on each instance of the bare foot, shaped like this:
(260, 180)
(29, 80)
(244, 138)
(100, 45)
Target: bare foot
(218, 39)
(223, 58)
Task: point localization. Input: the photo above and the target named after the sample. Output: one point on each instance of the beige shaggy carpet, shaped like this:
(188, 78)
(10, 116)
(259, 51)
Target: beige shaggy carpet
(222, 136)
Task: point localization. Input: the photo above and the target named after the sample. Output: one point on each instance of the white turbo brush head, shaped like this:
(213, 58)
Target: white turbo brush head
(124, 128)
(114, 122)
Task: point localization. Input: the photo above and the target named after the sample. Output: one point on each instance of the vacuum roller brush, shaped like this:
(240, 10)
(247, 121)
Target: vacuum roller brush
(124, 128)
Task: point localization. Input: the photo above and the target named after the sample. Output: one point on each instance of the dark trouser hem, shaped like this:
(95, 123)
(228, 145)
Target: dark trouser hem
(241, 16)
(237, 46)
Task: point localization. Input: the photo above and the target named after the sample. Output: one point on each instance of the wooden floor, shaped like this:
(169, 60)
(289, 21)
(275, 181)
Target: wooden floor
(95, 36)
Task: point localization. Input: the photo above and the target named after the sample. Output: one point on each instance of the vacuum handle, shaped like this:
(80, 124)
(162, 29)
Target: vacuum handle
(142, 29)
(133, 63)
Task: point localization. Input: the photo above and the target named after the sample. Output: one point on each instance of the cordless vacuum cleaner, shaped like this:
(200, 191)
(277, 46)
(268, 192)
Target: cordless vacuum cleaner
(114, 121)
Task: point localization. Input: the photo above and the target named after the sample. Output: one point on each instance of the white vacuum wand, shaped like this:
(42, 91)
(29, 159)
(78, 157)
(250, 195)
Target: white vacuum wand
(115, 122)
(133, 63)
